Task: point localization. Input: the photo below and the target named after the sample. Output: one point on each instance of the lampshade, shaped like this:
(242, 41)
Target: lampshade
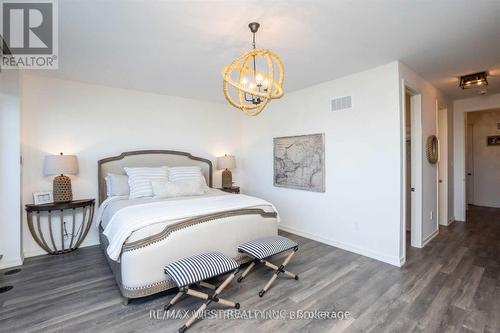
(226, 162)
(60, 164)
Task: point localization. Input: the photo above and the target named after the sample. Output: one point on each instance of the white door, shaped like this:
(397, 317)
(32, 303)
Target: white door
(409, 184)
(443, 167)
(469, 165)
(416, 170)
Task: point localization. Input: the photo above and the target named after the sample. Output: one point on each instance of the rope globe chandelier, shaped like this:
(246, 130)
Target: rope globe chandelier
(253, 79)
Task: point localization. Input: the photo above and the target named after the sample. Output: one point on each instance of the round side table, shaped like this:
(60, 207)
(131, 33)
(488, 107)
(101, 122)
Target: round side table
(52, 211)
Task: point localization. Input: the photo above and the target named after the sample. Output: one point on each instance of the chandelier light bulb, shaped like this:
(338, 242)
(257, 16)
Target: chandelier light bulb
(259, 78)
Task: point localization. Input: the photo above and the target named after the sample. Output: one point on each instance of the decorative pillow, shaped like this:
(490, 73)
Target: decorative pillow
(166, 189)
(139, 180)
(108, 186)
(117, 185)
(183, 173)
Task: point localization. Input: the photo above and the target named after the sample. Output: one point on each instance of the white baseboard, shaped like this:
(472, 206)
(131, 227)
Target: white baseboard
(449, 222)
(348, 247)
(39, 251)
(34, 253)
(10, 262)
(402, 261)
(430, 237)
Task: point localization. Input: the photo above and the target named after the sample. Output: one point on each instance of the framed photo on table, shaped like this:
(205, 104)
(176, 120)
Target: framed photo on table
(40, 198)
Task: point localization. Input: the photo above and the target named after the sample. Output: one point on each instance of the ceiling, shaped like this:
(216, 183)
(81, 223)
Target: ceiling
(179, 47)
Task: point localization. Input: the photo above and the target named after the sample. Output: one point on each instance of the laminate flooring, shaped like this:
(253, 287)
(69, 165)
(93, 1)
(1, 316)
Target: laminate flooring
(451, 285)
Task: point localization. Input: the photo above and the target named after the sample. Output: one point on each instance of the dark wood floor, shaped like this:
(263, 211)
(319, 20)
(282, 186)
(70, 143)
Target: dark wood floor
(452, 285)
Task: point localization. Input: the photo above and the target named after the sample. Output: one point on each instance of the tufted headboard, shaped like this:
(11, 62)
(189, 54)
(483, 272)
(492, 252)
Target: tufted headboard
(148, 158)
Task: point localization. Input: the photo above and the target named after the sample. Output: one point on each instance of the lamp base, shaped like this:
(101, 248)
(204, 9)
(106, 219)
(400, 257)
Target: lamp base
(227, 179)
(62, 189)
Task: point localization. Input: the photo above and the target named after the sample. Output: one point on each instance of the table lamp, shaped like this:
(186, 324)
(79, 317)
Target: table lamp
(225, 163)
(60, 165)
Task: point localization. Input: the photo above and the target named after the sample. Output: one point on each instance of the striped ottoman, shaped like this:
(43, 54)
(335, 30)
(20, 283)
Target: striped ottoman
(262, 248)
(195, 270)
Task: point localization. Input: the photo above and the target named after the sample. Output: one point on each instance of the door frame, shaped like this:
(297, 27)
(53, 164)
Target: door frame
(469, 164)
(416, 167)
(459, 156)
(442, 169)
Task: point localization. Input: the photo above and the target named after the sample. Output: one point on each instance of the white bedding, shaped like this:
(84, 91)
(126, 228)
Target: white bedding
(122, 217)
(111, 205)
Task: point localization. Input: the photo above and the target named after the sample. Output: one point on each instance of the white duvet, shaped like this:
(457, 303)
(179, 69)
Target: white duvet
(131, 218)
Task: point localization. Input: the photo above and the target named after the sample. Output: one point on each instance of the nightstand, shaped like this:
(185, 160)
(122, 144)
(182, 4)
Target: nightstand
(233, 189)
(54, 214)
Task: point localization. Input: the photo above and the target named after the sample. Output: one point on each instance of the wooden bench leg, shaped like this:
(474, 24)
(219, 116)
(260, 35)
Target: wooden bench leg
(209, 299)
(198, 294)
(194, 317)
(246, 271)
(277, 272)
(207, 285)
(273, 266)
(174, 300)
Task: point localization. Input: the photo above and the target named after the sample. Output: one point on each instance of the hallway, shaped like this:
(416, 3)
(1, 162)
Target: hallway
(465, 285)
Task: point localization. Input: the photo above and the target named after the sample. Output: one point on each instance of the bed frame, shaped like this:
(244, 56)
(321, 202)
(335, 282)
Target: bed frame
(139, 272)
(156, 158)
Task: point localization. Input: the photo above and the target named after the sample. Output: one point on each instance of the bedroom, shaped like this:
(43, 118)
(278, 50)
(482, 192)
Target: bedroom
(104, 99)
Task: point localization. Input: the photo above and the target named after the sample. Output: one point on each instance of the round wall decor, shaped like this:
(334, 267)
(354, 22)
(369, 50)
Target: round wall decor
(432, 149)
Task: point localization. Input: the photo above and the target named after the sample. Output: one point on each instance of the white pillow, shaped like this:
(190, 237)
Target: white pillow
(108, 186)
(139, 180)
(117, 185)
(183, 173)
(166, 189)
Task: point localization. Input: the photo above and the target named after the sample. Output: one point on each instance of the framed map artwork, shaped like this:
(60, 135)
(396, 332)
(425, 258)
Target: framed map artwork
(299, 162)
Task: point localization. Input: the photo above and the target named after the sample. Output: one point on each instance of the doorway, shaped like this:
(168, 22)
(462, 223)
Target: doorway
(408, 173)
(411, 231)
(482, 148)
(469, 163)
(442, 170)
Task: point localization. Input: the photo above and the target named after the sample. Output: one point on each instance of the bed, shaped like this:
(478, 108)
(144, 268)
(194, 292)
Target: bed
(138, 264)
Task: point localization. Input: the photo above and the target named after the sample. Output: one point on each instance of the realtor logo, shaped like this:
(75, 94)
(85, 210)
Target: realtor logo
(29, 34)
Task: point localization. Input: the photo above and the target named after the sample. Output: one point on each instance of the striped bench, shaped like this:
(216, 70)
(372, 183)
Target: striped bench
(194, 270)
(262, 248)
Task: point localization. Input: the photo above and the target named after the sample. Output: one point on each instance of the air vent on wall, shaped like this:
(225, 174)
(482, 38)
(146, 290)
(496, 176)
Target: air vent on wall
(341, 103)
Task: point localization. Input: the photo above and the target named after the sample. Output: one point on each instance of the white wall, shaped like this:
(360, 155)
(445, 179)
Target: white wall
(486, 158)
(360, 210)
(95, 121)
(10, 170)
(426, 189)
(480, 103)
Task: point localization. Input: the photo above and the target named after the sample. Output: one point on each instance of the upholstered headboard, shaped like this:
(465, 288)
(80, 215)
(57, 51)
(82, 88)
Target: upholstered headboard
(148, 158)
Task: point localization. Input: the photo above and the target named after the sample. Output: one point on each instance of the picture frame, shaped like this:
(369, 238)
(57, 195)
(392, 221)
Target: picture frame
(299, 162)
(493, 140)
(40, 198)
